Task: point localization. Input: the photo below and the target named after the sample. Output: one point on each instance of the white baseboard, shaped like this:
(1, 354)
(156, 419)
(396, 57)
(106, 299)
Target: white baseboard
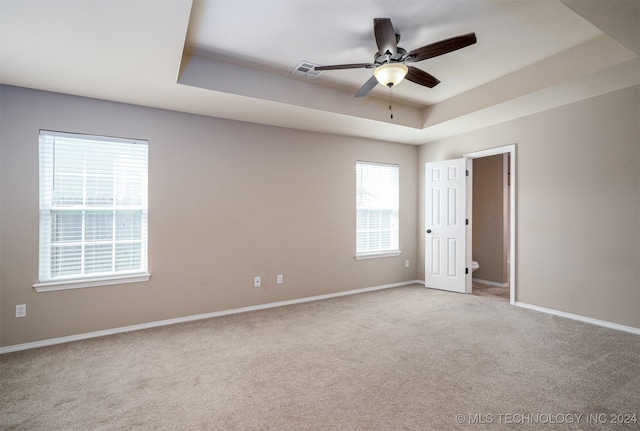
(590, 320)
(95, 334)
(490, 283)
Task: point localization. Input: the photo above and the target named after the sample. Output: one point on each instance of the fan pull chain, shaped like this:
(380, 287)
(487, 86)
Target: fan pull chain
(391, 100)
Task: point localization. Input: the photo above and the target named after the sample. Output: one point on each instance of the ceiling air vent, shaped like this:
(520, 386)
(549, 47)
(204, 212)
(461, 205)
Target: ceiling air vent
(306, 69)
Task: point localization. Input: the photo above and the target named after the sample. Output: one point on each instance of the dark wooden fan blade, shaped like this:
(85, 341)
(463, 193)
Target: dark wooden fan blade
(367, 87)
(442, 47)
(421, 77)
(346, 66)
(385, 36)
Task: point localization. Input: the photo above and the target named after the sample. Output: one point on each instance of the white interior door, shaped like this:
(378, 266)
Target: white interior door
(446, 209)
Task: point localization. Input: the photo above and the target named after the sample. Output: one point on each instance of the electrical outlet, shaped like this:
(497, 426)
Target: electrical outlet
(280, 279)
(406, 264)
(21, 310)
(257, 281)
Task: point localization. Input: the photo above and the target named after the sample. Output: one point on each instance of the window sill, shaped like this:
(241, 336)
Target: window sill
(90, 282)
(378, 254)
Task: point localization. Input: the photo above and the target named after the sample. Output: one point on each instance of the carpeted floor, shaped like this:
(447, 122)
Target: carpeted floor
(406, 358)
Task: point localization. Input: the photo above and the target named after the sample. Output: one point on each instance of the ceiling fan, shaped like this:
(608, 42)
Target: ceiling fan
(389, 61)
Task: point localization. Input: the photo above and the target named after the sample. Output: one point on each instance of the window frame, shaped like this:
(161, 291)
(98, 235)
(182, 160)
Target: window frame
(47, 208)
(394, 249)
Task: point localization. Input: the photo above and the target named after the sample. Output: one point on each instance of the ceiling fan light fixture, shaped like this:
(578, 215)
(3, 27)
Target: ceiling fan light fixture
(390, 74)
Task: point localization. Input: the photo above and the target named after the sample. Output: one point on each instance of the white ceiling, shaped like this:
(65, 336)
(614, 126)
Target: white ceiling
(276, 36)
(233, 58)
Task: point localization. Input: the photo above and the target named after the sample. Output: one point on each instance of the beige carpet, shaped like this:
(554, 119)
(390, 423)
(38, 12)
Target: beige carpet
(399, 359)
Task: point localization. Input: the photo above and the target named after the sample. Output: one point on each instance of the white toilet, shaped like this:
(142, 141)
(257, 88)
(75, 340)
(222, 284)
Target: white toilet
(474, 265)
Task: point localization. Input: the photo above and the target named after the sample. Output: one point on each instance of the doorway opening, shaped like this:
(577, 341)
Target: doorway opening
(494, 211)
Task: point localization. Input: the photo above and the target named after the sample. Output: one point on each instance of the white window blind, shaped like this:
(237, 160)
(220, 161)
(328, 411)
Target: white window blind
(377, 203)
(93, 207)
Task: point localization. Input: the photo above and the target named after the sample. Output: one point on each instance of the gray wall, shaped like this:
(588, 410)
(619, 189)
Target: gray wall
(577, 204)
(227, 201)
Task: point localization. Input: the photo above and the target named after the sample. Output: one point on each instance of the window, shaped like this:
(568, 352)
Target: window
(93, 210)
(377, 203)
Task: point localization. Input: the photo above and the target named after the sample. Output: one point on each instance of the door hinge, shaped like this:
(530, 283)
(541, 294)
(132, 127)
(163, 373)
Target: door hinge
(467, 172)
(467, 222)
(466, 271)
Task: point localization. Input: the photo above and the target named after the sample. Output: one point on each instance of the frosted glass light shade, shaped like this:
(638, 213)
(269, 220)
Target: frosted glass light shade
(390, 74)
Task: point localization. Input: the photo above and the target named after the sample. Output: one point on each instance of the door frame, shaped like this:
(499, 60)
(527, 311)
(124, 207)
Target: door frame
(511, 150)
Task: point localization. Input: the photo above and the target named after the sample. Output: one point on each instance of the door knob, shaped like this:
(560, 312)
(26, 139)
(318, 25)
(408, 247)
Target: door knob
(428, 230)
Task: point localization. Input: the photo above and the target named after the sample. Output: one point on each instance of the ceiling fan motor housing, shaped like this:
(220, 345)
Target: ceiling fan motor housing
(387, 58)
